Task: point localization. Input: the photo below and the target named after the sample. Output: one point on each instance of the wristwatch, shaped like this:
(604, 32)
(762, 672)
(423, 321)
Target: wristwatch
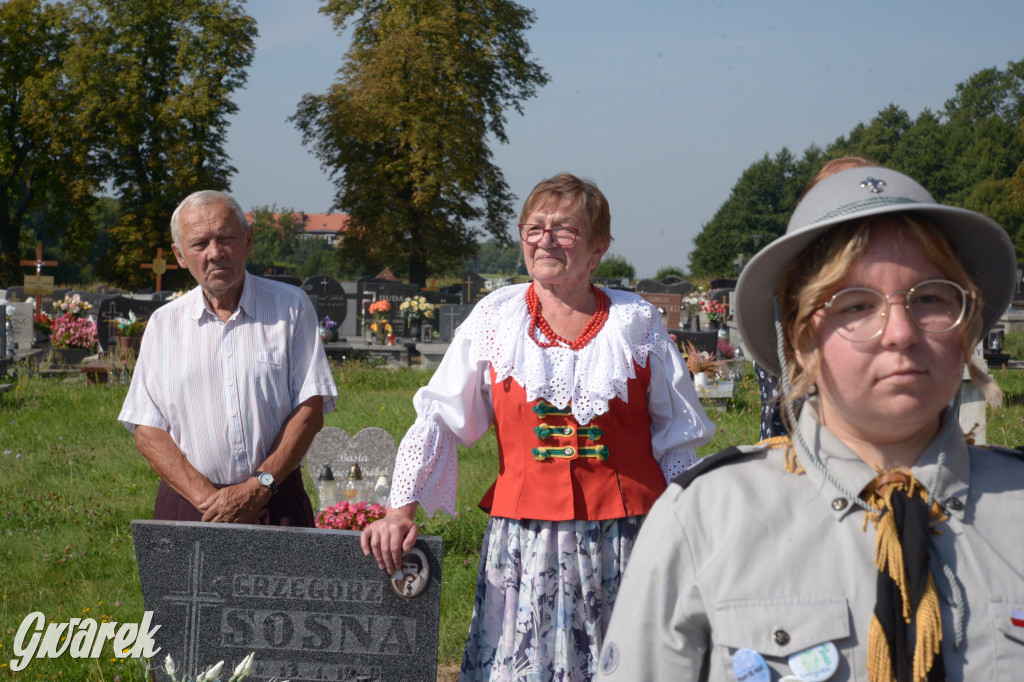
(267, 481)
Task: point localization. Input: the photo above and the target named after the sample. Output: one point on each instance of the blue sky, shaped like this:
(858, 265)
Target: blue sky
(663, 104)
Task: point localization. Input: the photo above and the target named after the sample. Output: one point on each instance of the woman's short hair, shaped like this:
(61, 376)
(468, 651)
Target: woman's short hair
(584, 199)
(206, 197)
(816, 274)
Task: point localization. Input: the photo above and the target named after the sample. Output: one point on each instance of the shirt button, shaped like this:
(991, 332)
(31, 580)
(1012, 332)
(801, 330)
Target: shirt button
(955, 504)
(780, 637)
(839, 504)
(567, 430)
(568, 451)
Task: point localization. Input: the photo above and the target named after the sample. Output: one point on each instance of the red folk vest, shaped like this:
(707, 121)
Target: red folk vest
(553, 469)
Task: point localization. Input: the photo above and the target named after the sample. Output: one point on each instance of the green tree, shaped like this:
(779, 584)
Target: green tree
(614, 267)
(404, 131)
(45, 177)
(756, 212)
(276, 237)
(496, 258)
(154, 80)
(668, 270)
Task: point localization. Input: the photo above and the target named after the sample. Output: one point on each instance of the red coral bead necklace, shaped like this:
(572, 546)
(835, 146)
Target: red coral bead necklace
(537, 321)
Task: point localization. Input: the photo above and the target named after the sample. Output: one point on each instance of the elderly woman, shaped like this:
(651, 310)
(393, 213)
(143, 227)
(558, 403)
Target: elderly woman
(879, 543)
(593, 411)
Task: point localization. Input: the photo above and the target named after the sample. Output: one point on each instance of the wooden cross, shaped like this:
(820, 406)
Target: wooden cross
(38, 284)
(159, 266)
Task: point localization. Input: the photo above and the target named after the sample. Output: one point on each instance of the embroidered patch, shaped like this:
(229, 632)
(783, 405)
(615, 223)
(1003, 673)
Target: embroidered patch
(609, 658)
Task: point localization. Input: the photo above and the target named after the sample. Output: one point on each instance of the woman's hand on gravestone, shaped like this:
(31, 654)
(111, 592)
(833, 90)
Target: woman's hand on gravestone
(389, 538)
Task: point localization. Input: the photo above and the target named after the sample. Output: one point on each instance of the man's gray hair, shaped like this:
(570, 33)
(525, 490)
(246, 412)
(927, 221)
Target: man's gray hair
(206, 197)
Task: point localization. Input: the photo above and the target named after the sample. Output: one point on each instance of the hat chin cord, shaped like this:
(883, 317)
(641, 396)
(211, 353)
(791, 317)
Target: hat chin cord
(948, 588)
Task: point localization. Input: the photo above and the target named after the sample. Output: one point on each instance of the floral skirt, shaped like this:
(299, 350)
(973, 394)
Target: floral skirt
(544, 594)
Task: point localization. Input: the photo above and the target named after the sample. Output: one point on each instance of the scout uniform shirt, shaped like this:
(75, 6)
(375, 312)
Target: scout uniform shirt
(752, 560)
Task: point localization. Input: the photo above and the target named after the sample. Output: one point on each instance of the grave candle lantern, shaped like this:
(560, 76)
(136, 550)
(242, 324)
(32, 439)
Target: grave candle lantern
(326, 488)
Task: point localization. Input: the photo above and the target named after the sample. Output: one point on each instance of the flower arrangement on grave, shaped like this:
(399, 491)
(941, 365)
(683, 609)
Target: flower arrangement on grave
(68, 331)
(328, 329)
(380, 327)
(715, 310)
(212, 674)
(73, 305)
(416, 308)
(42, 322)
(699, 361)
(129, 326)
(349, 515)
(692, 302)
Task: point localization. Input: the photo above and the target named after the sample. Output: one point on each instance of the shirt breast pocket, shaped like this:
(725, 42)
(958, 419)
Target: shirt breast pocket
(271, 376)
(1007, 616)
(778, 628)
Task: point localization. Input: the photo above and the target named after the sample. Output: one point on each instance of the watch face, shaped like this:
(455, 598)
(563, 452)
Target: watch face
(266, 479)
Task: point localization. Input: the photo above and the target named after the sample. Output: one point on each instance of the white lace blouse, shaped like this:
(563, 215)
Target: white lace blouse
(455, 407)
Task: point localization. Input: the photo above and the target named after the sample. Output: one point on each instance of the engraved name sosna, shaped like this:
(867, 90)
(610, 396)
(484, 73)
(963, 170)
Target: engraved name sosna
(291, 587)
(316, 631)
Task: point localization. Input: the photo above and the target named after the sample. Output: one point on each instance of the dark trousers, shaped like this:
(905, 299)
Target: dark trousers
(289, 507)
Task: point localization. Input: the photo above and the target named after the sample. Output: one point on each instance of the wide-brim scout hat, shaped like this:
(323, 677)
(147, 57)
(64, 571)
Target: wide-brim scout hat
(983, 246)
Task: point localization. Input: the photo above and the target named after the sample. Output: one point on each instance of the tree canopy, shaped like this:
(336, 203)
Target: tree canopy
(131, 95)
(969, 154)
(404, 131)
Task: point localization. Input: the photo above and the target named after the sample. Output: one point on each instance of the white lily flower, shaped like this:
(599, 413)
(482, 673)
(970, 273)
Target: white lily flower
(245, 668)
(169, 665)
(214, 672)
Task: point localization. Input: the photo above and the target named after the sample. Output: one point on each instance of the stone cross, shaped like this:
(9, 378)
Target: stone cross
(38, 284)
(740, 263)
(159, 266)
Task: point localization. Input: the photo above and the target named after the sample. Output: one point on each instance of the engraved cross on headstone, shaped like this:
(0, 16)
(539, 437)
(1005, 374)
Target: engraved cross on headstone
(159, 266)
(38, 284)
(194, 600)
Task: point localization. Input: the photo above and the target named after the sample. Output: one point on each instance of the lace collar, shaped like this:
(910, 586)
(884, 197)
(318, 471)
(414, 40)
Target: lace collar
(498, 329)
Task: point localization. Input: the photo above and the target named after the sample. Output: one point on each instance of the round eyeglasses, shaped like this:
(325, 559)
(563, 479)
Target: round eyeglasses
(936, 306)
(563, 235)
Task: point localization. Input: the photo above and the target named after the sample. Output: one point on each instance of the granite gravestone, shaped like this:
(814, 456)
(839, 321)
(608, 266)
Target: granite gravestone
(305, 600)
(449, 319)
(373, 449)
(16, 294)
(668, 285)
(474, 287)
(22, 330)
(371, 289)
(669, 307)
(112, 307)
(328, 296)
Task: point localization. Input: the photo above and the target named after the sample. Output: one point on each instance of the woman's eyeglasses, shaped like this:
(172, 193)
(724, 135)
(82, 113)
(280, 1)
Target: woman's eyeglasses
(936, 306)
(563, 235)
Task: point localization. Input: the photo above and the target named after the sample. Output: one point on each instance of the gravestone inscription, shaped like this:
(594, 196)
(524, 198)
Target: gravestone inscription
(373, 449)
(393, 292)
(329, 296)
(668, 305)
(305, 600)
(474, 287)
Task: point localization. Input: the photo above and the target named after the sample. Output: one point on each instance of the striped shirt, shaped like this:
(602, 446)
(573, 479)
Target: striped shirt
(223, 390)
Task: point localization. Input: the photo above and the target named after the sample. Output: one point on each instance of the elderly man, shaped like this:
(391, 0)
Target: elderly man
(232, 381)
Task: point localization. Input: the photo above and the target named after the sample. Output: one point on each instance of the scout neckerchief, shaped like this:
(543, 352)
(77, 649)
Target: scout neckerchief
(905, 594)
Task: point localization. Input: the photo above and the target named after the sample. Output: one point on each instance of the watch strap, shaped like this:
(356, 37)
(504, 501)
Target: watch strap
(261, 475)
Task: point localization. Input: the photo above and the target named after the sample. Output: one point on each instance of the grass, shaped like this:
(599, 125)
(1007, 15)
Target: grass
(72, 482)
